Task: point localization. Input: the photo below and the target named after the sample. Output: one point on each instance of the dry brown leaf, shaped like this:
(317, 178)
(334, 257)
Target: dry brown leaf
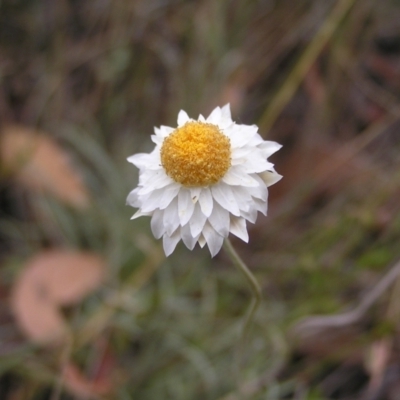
(38, 318)
(68, 276)
(41, 164)
(52, 279)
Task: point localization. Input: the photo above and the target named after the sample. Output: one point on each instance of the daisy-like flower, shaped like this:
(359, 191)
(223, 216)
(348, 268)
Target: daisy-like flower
(204, 179)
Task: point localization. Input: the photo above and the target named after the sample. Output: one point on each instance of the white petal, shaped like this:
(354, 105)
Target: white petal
(219, 219)
(171, 218)
(168, 194)
(197, 221)
(139, 213)
(237, 176)
(157, 224)
(239, 155)
(167, 130)
(226, 111)
(159, 198)
(155, 139)
(133, 198)
(255, 164)
(152, 162)
(261, 206)
(185, 206)
(195, 194)
(202, 241)
(183, 118)
(238, 228)
(222, 193)
(250, 215)
(259, 192)
(215, 116)
(240, 135)
(268, 148)
(270, 177)
(170, 242)
(187, 237)
(141, 160)
(147, 176)
(159, 180)
(214, 240)
(152, 201)
(162, 133)
(243, 197)
(255, 141)
(206, 202)
(224, 124)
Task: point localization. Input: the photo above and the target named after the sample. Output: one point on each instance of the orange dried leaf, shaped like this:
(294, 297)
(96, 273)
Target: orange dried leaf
(41, 164)
(38, 318)
(69, 276)
(52, 279)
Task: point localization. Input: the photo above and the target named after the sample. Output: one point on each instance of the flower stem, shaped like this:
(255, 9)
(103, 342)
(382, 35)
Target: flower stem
(256, 292)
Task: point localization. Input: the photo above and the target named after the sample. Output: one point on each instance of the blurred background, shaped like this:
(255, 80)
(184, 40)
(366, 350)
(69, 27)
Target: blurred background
(90, 308)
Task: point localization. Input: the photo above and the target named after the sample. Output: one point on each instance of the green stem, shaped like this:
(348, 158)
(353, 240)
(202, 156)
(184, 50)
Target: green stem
(256, 292)
(255, 289)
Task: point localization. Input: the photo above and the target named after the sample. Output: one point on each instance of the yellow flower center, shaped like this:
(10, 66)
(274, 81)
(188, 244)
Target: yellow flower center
(196, 154)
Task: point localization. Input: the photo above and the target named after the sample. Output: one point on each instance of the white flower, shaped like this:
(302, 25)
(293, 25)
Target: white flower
(203, 180)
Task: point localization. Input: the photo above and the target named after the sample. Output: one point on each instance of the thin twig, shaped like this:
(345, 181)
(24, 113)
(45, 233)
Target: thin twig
(256, 292)
(315, 324)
